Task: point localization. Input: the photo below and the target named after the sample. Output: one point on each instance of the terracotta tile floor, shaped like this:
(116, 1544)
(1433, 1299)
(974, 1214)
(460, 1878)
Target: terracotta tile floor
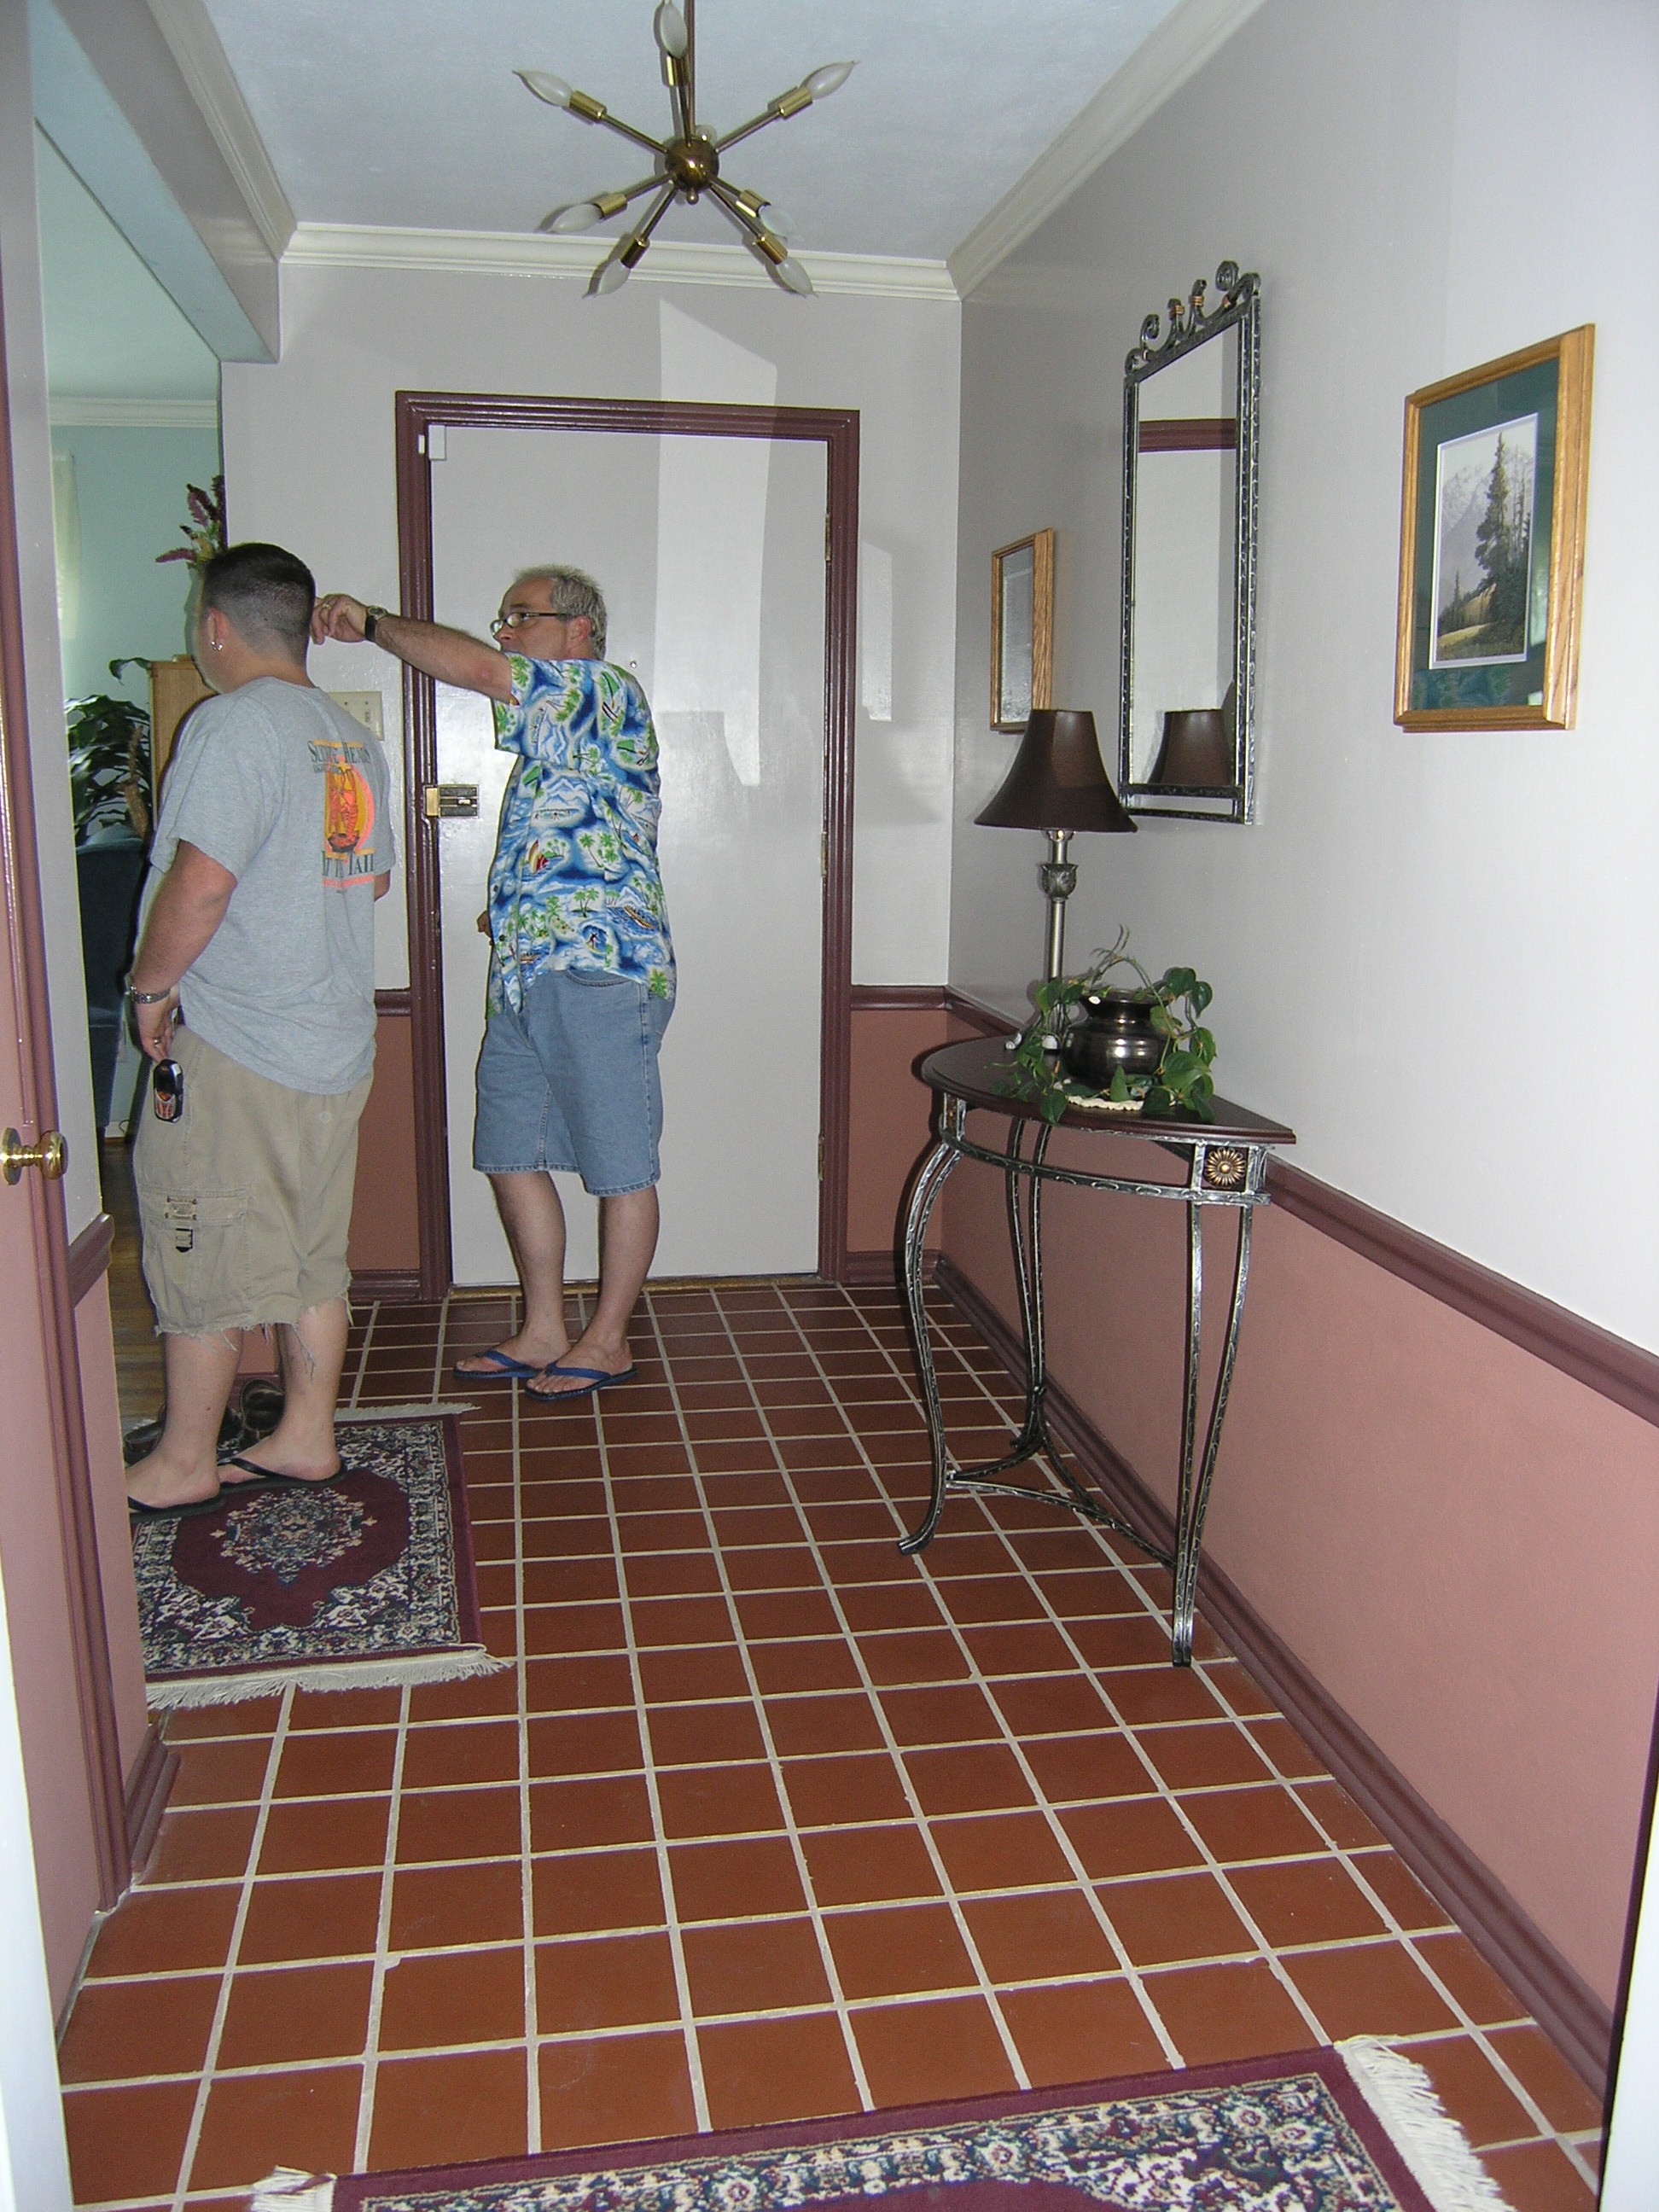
(764, 1820)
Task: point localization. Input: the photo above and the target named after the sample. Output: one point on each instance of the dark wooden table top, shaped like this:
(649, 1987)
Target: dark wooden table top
(981, 1072)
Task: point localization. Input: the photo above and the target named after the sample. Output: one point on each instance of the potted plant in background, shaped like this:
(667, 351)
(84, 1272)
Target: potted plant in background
(1142, 1049)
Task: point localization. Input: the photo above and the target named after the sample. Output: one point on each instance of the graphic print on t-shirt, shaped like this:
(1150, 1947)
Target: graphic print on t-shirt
(349, 854)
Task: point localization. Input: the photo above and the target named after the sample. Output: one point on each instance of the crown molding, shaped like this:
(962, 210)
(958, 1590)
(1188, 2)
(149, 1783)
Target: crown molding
(194, 44)
(1177, 49)
(70, 411)
(671, 261)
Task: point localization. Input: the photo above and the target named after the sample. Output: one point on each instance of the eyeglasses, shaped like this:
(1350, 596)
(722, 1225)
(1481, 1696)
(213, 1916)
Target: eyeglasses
(514, 618)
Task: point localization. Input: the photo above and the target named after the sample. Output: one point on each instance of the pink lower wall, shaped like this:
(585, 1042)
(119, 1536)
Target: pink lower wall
(1448, 1532)
(888, 1118)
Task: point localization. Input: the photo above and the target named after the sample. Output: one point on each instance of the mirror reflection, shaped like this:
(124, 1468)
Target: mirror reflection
(1190, 402)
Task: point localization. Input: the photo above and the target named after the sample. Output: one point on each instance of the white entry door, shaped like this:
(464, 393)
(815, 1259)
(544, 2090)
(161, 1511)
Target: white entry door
(711, 555)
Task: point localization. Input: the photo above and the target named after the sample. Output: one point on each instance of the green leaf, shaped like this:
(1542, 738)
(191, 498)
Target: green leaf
(1200, 994)
(1158, 1101)
(1178, 981)
(1119, 1092)
(1054, 1106)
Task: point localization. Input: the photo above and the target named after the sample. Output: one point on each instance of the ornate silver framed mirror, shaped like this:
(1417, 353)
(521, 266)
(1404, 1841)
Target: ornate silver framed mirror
(1186, 738)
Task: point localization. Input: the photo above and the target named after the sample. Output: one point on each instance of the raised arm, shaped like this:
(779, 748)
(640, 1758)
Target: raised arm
(451, 655)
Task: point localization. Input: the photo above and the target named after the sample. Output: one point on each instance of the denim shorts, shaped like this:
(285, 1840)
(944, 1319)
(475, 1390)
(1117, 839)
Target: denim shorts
(570, 1082)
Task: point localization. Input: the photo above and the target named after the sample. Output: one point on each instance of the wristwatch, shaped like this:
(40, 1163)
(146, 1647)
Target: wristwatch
(150, 997)
(372, 621)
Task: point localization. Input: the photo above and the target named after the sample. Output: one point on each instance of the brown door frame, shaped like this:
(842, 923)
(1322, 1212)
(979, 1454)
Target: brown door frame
(837, 430)
(20, 884)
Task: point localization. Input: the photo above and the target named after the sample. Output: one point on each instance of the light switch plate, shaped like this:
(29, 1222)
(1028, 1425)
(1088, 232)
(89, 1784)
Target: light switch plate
(363, 707)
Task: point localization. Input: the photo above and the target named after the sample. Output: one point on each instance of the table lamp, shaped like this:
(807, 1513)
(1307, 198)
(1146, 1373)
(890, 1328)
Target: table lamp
(1057, 783)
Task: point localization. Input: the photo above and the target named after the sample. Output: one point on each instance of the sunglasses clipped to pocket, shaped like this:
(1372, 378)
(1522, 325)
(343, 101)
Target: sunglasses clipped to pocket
(167, 1089)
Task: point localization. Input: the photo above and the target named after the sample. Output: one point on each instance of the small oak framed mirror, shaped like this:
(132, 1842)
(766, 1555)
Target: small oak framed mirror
(1186, 738)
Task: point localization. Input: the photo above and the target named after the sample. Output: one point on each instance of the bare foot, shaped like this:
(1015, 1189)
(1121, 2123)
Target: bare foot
(159, 1483)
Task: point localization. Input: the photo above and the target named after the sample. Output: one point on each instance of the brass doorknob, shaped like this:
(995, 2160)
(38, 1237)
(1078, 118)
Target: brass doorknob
(51, 1155)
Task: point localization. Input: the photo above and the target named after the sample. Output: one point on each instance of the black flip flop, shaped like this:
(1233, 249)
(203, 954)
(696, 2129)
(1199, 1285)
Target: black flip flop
(138, 1510)
(269, 1478)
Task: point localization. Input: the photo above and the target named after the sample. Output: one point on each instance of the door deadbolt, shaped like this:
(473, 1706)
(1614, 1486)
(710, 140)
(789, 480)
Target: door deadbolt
(449, 802)
(51, 1155)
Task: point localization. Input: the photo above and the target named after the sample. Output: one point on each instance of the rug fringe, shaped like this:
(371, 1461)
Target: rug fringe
(458, 1666)
(413, 1409)
(290, 2189)
(1432, 2145)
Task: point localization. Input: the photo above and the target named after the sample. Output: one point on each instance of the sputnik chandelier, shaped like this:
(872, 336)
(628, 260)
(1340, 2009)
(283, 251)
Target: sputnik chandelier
(687, 163)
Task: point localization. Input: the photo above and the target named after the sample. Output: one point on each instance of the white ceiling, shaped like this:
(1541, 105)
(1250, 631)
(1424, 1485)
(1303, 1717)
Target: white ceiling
(112, 332)
(406, 114)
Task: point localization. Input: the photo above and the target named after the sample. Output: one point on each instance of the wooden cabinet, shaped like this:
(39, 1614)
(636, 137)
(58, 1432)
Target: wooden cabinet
(175, 686)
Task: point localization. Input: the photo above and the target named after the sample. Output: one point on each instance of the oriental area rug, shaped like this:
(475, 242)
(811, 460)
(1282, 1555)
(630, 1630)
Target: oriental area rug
(1355, 2128)
(360, 1581)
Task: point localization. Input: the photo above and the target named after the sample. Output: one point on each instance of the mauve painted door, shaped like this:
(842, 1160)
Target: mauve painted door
(711, 553)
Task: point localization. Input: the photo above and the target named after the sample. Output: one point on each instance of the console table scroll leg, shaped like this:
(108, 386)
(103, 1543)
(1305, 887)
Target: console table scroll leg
(936, 1168)
(1186, 1596)
(1186, 1548)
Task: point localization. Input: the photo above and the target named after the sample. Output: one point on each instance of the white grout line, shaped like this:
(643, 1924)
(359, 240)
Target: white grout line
(1398, 1933)
(384, 1959)
(660, 1835)
(965, 1933)
(215, 2033)
(1409, 1938)
(526, 1848)
(826, 1955)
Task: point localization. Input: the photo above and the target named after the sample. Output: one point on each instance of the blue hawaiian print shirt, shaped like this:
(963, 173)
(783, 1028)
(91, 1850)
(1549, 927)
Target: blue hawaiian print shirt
(574, 883)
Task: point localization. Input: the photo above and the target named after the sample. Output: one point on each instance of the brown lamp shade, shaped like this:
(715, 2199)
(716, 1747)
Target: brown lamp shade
(1197, 752)
(1058, 780)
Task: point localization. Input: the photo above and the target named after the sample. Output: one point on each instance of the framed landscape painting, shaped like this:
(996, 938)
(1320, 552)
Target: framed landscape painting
(1491, 542)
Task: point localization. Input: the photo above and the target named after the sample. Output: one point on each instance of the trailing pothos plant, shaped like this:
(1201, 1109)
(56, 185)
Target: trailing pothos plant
(1177, 1001)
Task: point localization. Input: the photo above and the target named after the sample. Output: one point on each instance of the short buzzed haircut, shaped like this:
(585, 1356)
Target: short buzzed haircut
(571, 592)
(264, 593)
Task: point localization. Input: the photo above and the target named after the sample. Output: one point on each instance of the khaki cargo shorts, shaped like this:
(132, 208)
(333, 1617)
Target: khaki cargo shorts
(244, 1201)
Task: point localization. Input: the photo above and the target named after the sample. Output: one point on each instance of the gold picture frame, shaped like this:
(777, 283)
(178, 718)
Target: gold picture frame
(1496, 467)
(1022, 630)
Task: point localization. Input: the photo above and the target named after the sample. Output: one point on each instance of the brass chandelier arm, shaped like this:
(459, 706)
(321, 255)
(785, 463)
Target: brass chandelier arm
(749, 224)
(641, 236)
(793, 102)
(625, 130)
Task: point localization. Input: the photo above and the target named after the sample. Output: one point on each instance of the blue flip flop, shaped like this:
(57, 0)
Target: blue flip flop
(592, 1379)
(507, 1369)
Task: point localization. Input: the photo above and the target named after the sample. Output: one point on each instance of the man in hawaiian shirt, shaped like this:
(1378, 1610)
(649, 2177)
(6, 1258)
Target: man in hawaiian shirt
(581, 971)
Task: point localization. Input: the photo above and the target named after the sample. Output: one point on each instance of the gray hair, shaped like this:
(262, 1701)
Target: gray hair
(571, 592)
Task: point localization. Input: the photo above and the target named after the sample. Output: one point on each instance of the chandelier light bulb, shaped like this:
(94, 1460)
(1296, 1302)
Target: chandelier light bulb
(609, 276)
(777, 220)
(582, 216)
(553, 89)
(793, 278)
(830, 78)
(672, 35)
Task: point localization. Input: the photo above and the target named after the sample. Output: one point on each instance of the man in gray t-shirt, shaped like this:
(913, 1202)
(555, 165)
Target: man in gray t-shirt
(258, 938)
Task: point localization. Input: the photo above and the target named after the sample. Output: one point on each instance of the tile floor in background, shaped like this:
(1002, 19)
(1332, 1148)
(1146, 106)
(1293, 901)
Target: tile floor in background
(763, 1820)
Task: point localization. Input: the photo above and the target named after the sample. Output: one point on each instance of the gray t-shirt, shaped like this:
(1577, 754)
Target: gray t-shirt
(280, 787)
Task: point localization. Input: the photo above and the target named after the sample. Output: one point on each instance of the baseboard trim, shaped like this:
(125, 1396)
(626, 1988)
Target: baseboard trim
(884, 1269)
(1571, 2014)
(1604, 1363)
(88, 1256)
(394, 1285)
(148, 1788)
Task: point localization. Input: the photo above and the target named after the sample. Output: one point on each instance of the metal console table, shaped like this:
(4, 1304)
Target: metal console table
(1226, 1164)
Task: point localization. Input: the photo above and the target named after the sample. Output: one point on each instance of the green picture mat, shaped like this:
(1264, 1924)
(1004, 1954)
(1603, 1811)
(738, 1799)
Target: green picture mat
(1529, 391)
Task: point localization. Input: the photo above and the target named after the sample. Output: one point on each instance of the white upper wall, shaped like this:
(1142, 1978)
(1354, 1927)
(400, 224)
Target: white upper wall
(309, 463)
(1434, 955)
